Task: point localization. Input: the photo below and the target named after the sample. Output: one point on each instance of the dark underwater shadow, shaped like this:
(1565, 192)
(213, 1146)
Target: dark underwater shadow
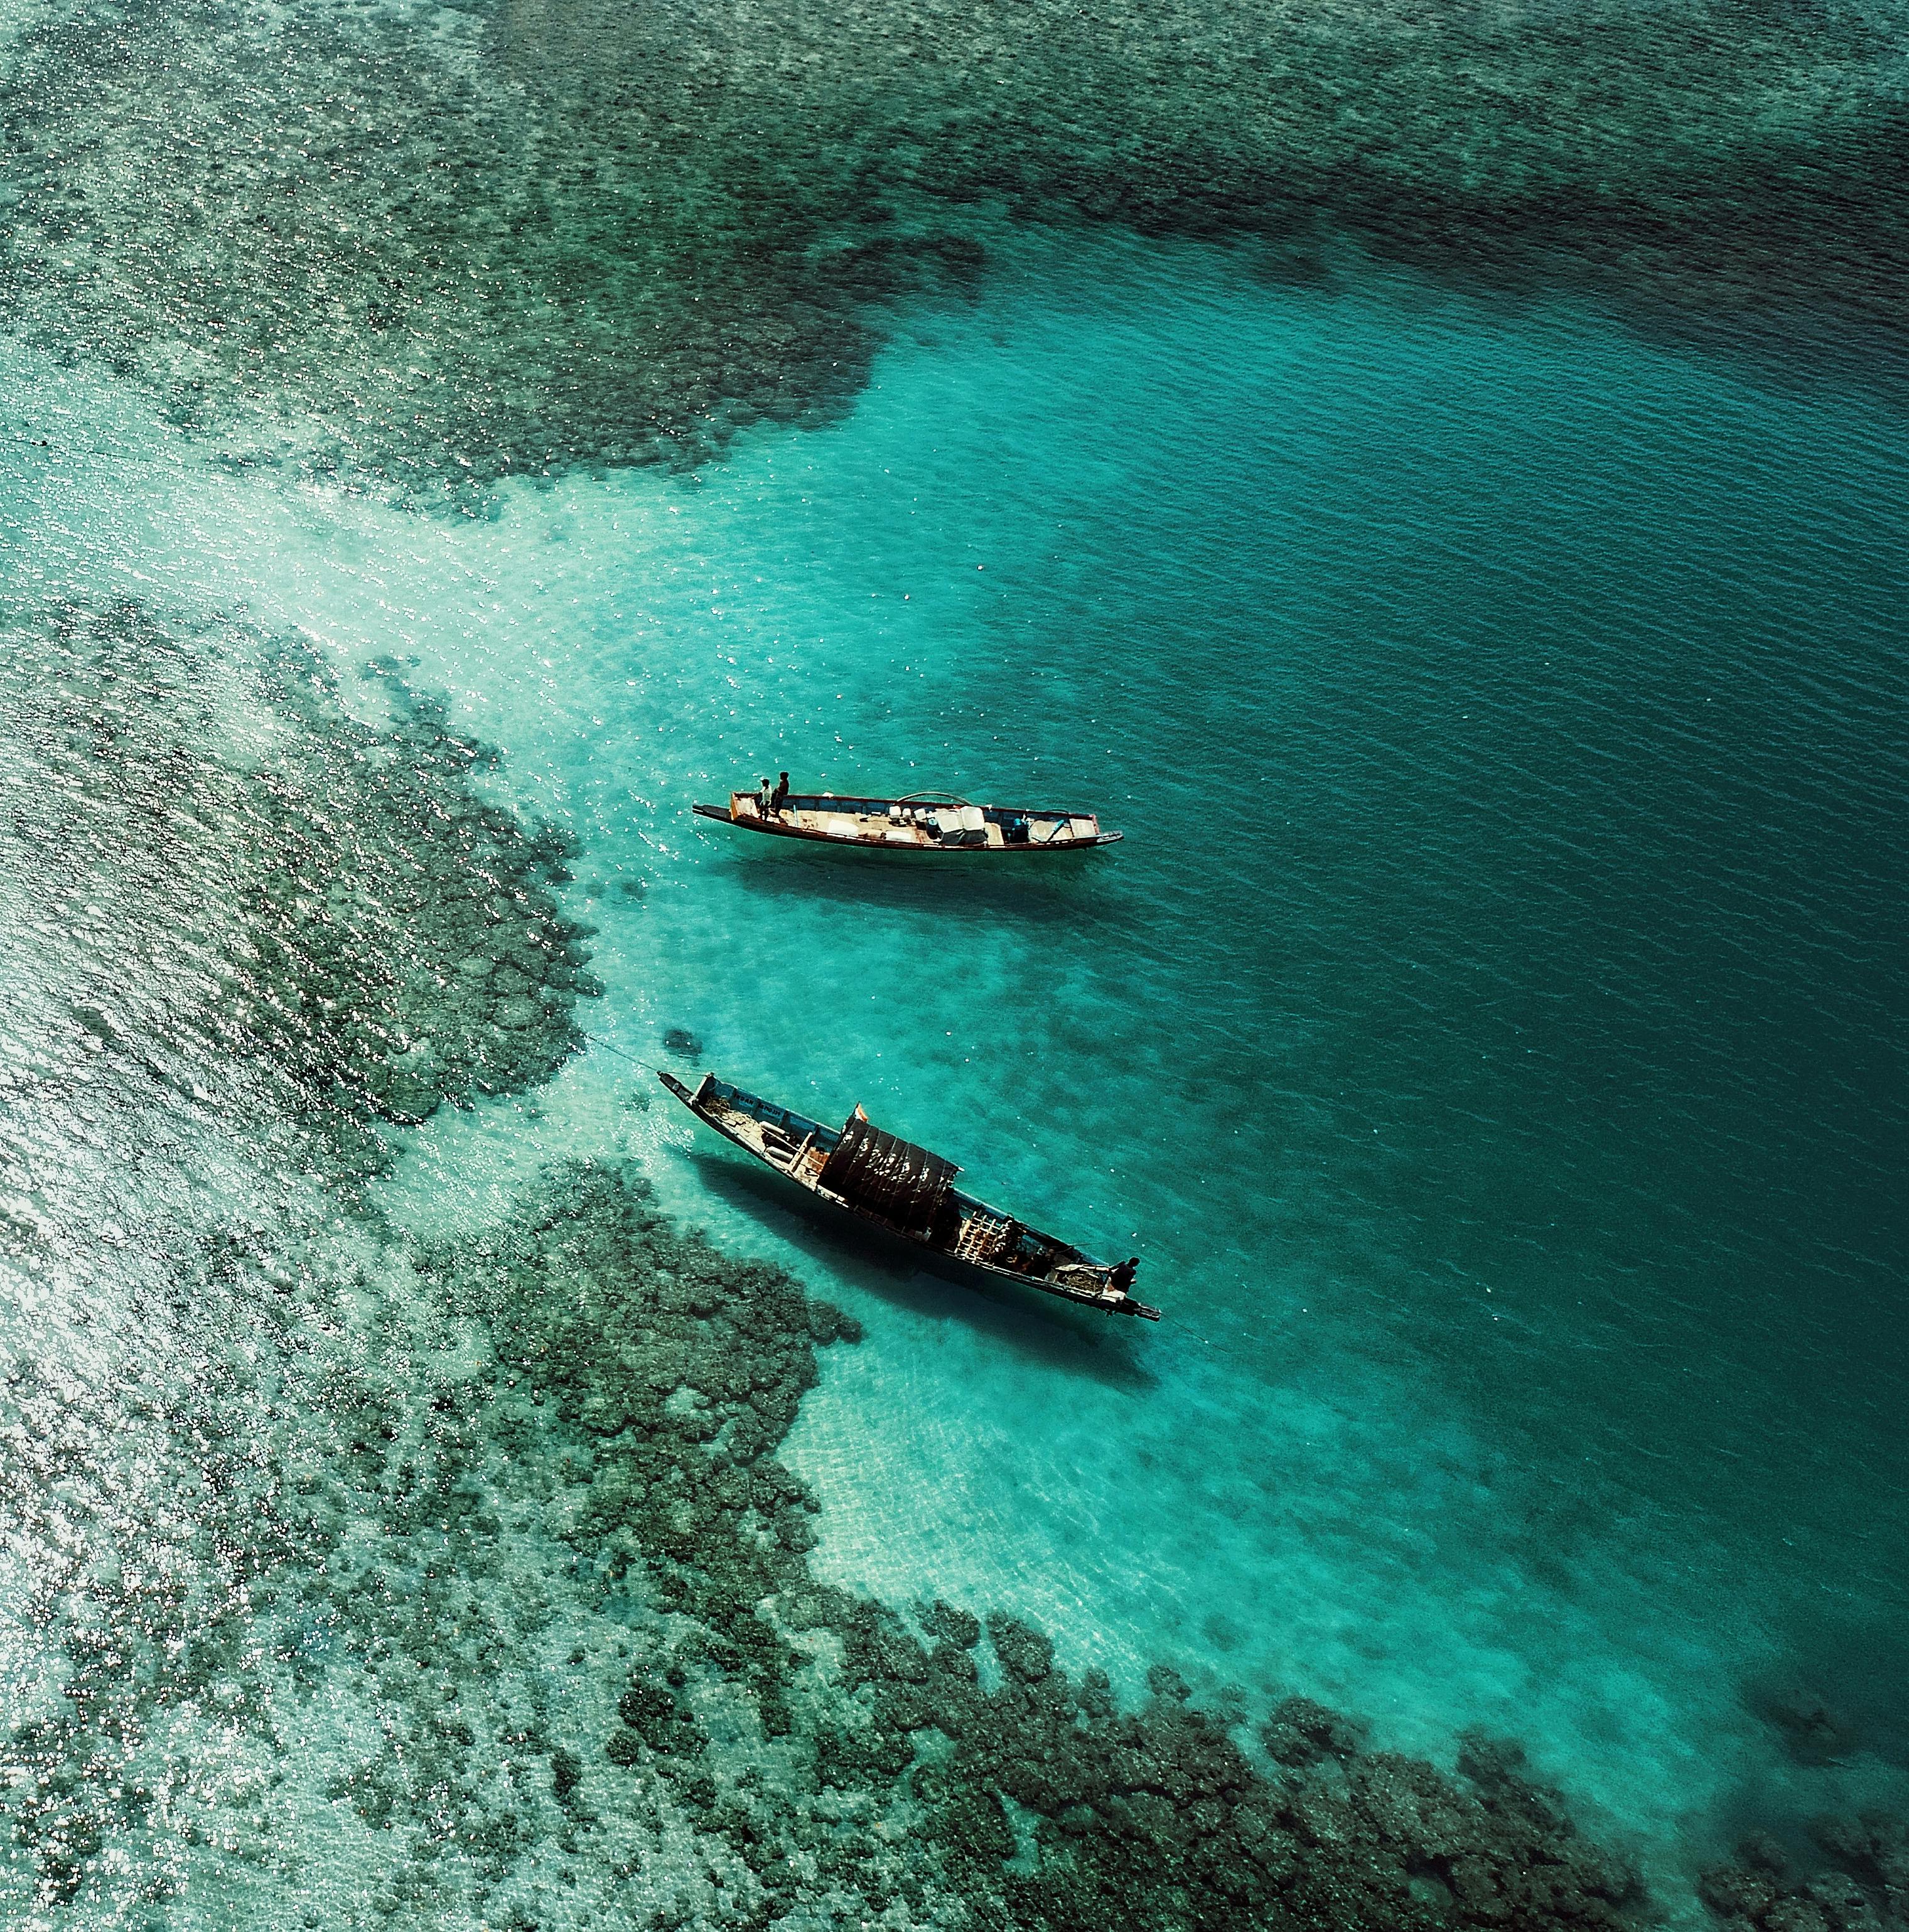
(1840, 1693)
(1105, 1348)
(1794, 317)
(1081, 888)
(1836, 1710)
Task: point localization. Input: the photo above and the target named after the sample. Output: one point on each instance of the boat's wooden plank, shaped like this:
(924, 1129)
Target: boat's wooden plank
(980, 1238)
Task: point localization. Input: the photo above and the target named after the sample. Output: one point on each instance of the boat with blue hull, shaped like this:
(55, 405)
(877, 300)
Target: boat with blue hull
(905, 1188)
(924, 823)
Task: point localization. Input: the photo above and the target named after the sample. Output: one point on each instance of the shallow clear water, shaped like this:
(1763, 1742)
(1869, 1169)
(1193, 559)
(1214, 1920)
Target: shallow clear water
(1490, 1034)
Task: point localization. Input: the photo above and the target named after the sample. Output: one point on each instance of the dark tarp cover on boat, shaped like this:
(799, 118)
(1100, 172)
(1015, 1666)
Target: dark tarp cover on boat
(892, 1177)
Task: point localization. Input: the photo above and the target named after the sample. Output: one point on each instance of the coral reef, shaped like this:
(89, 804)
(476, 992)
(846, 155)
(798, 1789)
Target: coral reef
(407, 949)
(861, 1755)
(1864, 1886)
(549, 1599)
(235, 914)
(331, 902)
(424, 247)
(353, 236)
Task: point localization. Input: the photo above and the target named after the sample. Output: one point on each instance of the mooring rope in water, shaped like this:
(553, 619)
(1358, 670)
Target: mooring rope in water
(623, 1052)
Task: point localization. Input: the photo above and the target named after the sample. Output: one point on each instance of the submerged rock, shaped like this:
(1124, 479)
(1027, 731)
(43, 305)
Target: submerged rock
(1865, 1889)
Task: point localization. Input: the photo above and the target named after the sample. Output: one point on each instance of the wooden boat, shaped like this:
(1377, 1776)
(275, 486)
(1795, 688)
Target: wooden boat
(924, 821)
(908, 1191)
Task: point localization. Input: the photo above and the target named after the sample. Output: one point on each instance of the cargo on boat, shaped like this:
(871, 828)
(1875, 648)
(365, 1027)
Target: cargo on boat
(924, 822)
(908, 1191)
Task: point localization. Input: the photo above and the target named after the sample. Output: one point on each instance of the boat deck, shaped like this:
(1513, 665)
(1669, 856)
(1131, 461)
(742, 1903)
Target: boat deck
(914, 825)
(797, 1146)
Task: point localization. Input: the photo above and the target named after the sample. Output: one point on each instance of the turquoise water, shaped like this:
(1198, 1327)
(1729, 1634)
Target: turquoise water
(1489, 1034)
(1483, 1034)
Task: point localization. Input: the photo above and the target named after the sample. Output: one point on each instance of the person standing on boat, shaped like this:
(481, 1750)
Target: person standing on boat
(779, 797)
(762, 798)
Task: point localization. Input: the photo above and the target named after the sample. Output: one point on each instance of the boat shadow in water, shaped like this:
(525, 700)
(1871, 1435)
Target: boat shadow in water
(1076, 1339)
(1062, 895)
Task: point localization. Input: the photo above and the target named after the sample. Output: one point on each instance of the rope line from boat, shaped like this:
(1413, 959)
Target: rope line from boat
(622, 1052)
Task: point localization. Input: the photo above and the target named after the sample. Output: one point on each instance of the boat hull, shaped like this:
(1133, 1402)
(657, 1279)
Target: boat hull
(1101, 1301)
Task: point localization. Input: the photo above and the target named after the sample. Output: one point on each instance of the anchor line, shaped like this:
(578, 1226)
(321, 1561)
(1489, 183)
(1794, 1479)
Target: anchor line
(622, 1053)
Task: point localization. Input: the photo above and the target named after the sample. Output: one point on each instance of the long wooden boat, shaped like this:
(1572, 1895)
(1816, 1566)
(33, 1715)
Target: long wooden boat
(924, 822)
(908, 1191)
